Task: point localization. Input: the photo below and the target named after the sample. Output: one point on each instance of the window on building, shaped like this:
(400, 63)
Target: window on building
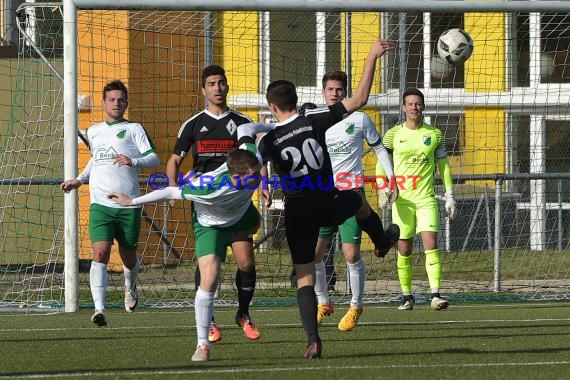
(554, 46)
(303, 46)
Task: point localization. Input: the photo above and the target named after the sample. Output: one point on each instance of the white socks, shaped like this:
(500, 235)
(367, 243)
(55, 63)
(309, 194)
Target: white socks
(131, 275)
(203, 309)
(321, 283)
(98, 280)
(356, 274)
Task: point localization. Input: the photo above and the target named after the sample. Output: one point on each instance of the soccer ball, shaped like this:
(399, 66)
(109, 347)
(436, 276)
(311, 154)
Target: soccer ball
(455, 46)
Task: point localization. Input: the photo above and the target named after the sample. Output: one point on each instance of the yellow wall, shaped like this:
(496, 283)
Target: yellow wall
(485, 71)
(240, 54)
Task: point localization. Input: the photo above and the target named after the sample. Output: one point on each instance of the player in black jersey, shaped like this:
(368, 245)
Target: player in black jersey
(209, 136)
(296, 147)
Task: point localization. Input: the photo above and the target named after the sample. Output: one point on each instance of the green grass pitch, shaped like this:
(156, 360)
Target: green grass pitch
(467, 341)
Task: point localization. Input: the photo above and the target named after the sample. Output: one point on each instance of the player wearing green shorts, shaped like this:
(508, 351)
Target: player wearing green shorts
(223, 206)
(119, 148)
(417, 149)
(345, 145)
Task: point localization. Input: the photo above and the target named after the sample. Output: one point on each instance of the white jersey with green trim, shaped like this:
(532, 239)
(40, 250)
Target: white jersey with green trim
(217, 202)
(106, 140)
(345, 145)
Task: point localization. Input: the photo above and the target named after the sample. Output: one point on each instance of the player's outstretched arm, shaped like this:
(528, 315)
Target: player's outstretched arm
(120, 198)
(152, 197)
(246, 132)
(360, 96)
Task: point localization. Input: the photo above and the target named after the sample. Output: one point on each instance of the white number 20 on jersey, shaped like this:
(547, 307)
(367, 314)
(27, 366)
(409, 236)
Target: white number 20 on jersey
(311, 156)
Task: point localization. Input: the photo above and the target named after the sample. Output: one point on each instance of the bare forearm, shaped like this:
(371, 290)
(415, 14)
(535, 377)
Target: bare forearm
(172, 167)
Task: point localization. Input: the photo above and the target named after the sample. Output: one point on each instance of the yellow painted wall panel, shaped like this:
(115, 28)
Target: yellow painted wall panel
(485, 135)
(484, 71)
(240, 53)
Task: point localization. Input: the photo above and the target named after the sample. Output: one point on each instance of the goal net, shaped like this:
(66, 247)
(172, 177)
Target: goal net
(504, 112)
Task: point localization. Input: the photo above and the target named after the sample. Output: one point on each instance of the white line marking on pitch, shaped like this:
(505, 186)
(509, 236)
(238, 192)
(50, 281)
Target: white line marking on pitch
(279, 369)
(378, 323)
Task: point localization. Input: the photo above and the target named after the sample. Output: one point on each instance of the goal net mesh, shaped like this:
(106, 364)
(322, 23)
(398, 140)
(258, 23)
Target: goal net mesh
(505, 110)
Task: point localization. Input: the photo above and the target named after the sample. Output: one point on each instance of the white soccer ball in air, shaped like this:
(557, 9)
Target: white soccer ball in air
(455, 46)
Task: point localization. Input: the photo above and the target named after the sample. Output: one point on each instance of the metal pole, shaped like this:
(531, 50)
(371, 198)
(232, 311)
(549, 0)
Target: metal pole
(488, 217)
(497, 251)
(472, 222)
(348, 51)
(560, 227)
(546, 6)
(403, 52)
(71, 200)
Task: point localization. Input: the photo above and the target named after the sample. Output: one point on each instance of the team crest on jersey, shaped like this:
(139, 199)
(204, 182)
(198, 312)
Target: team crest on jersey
(349, 128)
(427, 140)
(231, 127)
(122, 134)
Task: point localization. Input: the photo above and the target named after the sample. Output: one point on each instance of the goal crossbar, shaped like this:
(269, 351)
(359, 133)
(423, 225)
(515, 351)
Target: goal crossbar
(328, 5)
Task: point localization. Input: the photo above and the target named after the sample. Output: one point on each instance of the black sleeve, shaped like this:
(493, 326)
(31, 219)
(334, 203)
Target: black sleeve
(185, 139)
(263, 146)
(322, 121)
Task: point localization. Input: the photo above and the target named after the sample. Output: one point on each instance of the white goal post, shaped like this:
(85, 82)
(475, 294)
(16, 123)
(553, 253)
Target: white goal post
(543, 98)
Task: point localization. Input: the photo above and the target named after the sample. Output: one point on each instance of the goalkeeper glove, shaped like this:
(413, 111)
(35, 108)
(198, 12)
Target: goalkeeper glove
(383, 196)
(388, 195)
(450, 204)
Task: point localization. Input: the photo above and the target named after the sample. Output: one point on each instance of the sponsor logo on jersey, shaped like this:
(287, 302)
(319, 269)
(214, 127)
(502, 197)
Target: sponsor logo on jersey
(231, 127)
(204, 129)
(122, 134)
(103, 154)
(215, 146)
(427, 140)
(415, 160)
(340, 148)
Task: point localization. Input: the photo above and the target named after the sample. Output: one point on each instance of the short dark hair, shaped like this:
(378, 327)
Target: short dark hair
(338, 75)
(283, 94)
(306, 106)
(240, 160)
(412, 91)
(115, 84)
(213, 70)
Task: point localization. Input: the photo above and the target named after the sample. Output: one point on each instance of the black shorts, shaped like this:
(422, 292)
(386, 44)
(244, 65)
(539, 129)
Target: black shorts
(241, 236)
(305, 216)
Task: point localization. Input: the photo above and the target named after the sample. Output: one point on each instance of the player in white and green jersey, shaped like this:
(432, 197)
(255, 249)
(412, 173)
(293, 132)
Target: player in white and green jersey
(119, 148)
(345, 145)
(418, 149)
(223, 206)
